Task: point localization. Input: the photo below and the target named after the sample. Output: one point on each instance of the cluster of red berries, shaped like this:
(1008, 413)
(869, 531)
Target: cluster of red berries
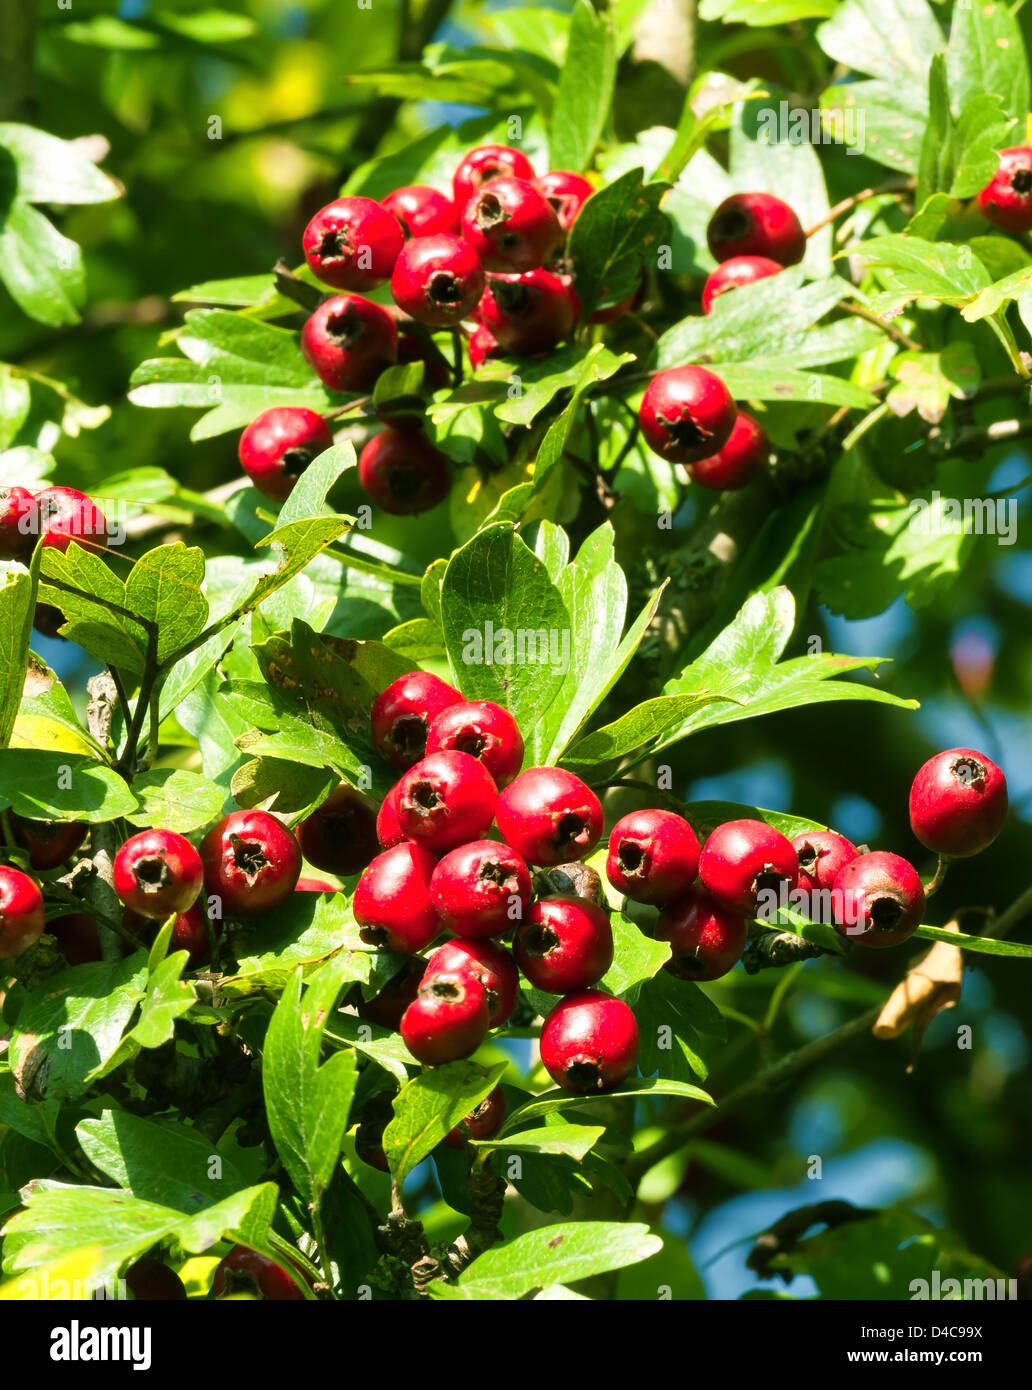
(56, 516)
(490, 255)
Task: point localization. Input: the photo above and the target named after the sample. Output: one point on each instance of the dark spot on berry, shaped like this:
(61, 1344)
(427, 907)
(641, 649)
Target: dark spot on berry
(1021, 182)
(443, 288)
(248, 857)
(884, 913)
(295, 461)
(631, 858)
(570, 829)
(732, 225)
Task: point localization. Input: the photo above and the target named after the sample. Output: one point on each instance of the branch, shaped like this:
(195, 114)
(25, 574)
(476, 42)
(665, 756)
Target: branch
(973, 441)
(869, 316)
(847, 204)
(100, 890)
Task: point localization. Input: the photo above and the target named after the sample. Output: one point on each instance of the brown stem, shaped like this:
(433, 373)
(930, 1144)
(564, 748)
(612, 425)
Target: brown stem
(896, 334)
(847, 204)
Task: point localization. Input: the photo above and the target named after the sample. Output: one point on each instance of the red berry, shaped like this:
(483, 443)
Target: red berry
(566, 193)
(733, 274)
(62, 515)
(821, 854)
(485, 163)
(251, 861)
(485, 731)
(17, 532)
(564, 944)
(190, 933)
(481, 1123)
(480, 889)
(388, 832)
(150, 1281)
(438, 280)
(706, 940)
(352, 244)
(392, 900)
(423, 211)
(158, 872)
(22, 916)
(77, 937)
(403, 473)
(740, 460)
(653, 856)
(511, 226)
(482, 345)
(686, 414)
(387, 1007)
(348, 342)
(756, 224)
(49, 842)
(589, 1042)
(340, 836)
(448, 1019)
(529, 313)
(958, 802)
(487, 962)
(316, 885)
(445, 800)
(278, 446)
(879, 899)
(743, 858)
(1006, 200)
(246, 1272)
(402, 714)
(549, 816)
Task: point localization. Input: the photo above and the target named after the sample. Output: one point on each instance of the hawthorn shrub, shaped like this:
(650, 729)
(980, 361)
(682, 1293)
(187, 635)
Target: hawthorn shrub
(361, 934)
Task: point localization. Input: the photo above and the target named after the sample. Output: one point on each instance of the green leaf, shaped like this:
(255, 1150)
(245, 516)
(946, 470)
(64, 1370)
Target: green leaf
(175, 799)
(308, 497)
(986, 54)
(856, 37)
(585, 92)
(618, 229)
(164, 1162)
(168, 998)
(48, 170)
(636, 957)
(431, 1105)
(551, 1255)
(308, 928)
(17, 606)
(936, 164)
(705, 816)
(61, 786)
(679, 1029)
(307, 1104)
(879, 119)
(637, 1088)
(997, 296)
(164, 585)
(984, 945)
(928, 381)
(918, 269)
(597, 754)
(575, 1141)
(599, 365)
(42, 269)
(89, 597)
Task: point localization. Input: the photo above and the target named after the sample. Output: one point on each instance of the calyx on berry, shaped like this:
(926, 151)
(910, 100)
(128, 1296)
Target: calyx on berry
(340, 835)
(485, 163)
(706, 940)
(246, 1272)
(589, 1042)
(480, 889)
(564, 944)
(158, 872)
(392, 900)
(252, 862)
(489, 963)
(878, 899)
(49, 842)
(422, 210)
(653, 856)
(958, 802)
(438, 280)
(742, 859)
(448, 1019)
(733, 274)
(1006, 200)
(821, 854)
(529, 313)
(511, 226)
(403, 472)
(348, 341)
(352, 243)
(549, 816)
(481, 1123)
(22, 915)
(756, 224)
(741, 459)
(278, 446)
(687, 414)
(485, 731)
(445, 800)
(402, 714)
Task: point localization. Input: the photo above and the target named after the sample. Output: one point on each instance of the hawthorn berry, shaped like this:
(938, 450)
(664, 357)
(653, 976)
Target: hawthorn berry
(316, 885)
(485, 163)
(278, 446)
(22, 915)
(403, 473)
(388, 832)
(62, 515)
(251, 861)
(190, 933)
(448, 1019)
(511, 226)
(247, 1272)
(151, 1281)
(576, 880)
(481, 1123)
(422, 210)
(958, 802)
(16, 527)
(482, 345)
(878, 899)
(480, 889)
(77, 937)
(821, 854)
(740, 460)
(485, 731)
(352, 243)
(402, 714)
(566, 193)
(743, 858)
(612, 313)
(549, 816)
(564, 944)
(387, 1007)
(529, 313)
(392, 900)
(733, 274)
(487, 962)
(445, 800)
(1006, 200)
(438, 280)
(706, 940)
(589, 1042)
(653, 856)
(48, 842)
(158, 872)
(687, 414)
(340, 835)
(756, 224)
(348, 342)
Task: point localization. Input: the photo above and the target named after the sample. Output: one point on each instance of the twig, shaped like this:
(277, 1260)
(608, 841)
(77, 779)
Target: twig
(101, 888)
(868, 315)
(976, 439)
(847, 204)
